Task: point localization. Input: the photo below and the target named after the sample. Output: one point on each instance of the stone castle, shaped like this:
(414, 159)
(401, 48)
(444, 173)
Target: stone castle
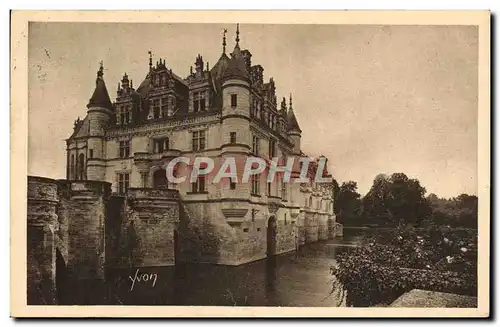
(116, 208)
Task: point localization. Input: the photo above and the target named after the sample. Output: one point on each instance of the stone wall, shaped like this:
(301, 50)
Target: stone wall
(65, 235)
(83, 210)
(42, 228)
(322, 227)
(205, 236)
(285, 237)
(311, 227)
(144, 235)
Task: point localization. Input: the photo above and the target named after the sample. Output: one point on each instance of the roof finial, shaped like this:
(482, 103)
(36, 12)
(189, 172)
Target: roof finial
(207, 66)
(290, 104)
(224, 41)
(150, 60)
(100, 72)
(237, 33)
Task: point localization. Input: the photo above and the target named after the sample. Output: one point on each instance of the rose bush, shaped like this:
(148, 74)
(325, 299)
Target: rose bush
(396, 261)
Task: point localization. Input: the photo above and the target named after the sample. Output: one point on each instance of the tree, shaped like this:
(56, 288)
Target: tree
(395, 199)
(406, 201)
(375, 201)
(460, 211)
(348, 203)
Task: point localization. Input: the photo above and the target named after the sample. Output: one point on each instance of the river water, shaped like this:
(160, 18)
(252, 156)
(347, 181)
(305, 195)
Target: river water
(296, 279)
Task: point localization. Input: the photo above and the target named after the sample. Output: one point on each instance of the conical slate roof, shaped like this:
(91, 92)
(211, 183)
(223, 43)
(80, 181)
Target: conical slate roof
(218, 70)
(236, 67)
(292, 123)
(100, 97)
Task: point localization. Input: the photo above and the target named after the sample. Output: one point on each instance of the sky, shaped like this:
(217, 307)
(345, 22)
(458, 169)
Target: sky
(373, 99)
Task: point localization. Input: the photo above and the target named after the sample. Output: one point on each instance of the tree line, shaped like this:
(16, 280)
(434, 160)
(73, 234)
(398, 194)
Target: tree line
(397, 199)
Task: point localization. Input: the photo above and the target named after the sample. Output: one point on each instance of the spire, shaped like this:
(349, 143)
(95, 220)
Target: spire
(293, 125)
(283, 104)
(100, 72)
(238, 34)
(150, 60)
(100, 97)
(224, 41)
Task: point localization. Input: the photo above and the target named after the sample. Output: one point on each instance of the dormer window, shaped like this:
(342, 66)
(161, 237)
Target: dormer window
(199, 101)
(164, 106)
(156, 108)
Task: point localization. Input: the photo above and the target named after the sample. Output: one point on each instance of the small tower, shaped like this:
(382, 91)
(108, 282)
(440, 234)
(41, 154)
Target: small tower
(294, 132)
(236, 135)
(99, 113)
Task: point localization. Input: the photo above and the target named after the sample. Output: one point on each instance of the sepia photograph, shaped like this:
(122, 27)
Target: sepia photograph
(254, 162)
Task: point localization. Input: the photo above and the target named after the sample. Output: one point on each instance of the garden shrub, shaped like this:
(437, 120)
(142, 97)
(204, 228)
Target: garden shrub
(396, 261)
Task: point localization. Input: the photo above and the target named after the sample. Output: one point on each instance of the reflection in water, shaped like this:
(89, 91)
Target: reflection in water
(295, 279)
(271, 277)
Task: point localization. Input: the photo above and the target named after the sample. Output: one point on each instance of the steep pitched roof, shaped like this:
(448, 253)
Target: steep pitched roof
(100, 97)
(218, 71)
(236, 67)
(292, 123)
(81, 128)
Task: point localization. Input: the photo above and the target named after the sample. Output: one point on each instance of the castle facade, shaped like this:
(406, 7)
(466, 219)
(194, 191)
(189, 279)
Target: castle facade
(118, 202)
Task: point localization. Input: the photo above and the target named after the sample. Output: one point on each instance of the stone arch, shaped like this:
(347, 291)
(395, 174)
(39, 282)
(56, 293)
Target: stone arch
(272, 231)
(152, 172)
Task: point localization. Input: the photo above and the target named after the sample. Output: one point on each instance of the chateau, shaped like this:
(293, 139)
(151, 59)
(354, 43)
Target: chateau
(117, 208)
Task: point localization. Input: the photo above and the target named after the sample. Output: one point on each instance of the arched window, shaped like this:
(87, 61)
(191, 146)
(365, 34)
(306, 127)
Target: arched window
(310, 202)
(81, 166)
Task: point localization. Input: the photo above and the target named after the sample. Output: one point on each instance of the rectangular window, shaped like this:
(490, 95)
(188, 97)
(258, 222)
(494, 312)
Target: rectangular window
(272, 148)
(127, 113)
(199, 185)
(196, 101)
(161, 145)
(123, 183)
(232, 136)
(234, 100)
(164, 107)
(156, 108)
(284, 193)
(232, 185)
(91, 154)
(199, 141)
(122, 118)
(124, 149)
(268, 189)
(202, 104)
(256, 184)
(255, 145)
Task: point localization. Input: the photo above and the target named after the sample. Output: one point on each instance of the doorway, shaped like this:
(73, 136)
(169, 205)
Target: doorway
(160, 179)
